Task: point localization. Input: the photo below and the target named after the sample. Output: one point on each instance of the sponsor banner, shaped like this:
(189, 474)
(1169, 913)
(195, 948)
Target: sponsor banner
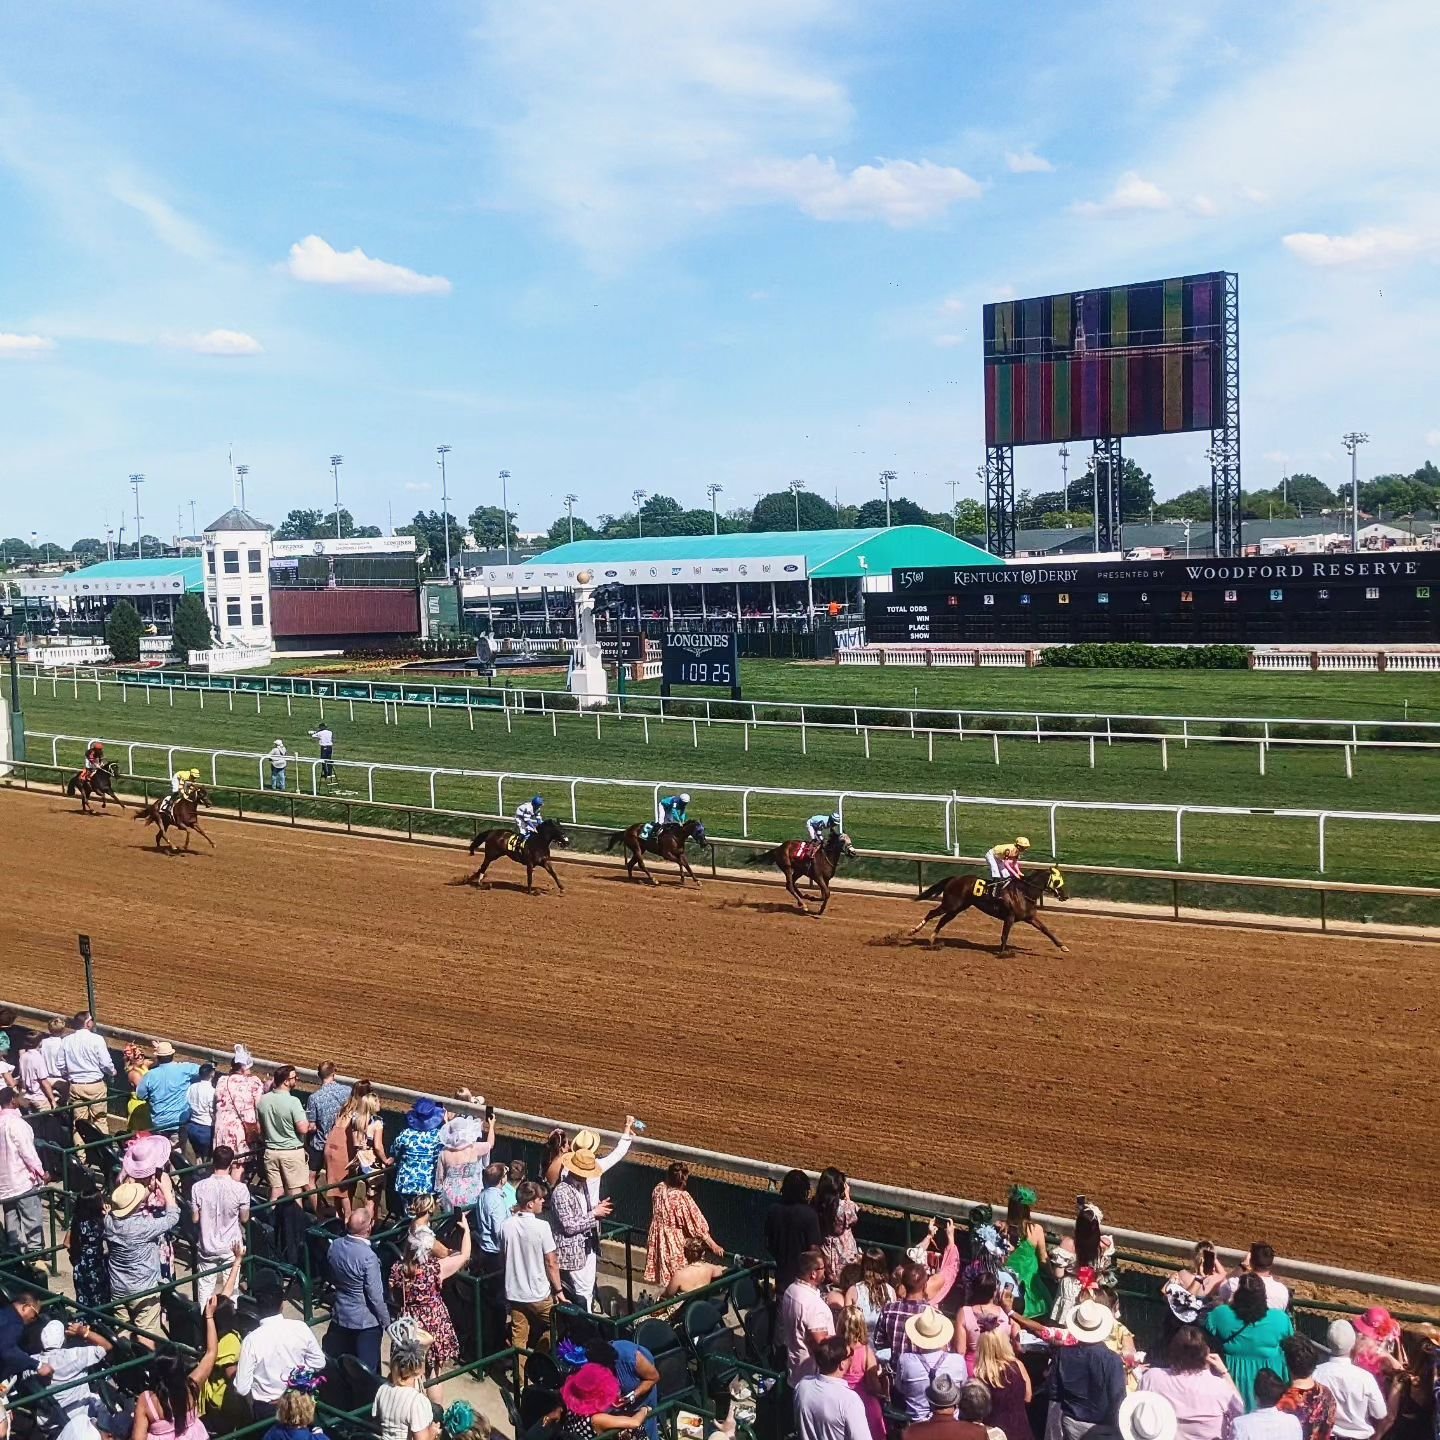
(358, 545)
(76, 584)
(751, 570)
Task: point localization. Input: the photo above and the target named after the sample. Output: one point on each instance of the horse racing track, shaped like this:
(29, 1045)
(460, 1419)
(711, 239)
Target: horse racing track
(1193, 1079)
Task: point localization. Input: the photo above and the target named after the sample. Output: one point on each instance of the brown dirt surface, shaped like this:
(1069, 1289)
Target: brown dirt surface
(1190, 1079)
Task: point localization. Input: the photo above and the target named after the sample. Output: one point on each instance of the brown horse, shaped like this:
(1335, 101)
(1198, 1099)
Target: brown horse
(532, 851)
(97, 782)
(1018, 902)
(666, 841)
(181, 811)
(803, 859)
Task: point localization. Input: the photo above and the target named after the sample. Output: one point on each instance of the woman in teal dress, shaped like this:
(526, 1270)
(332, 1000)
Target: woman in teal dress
(1027, 1256)
(1248, 1333)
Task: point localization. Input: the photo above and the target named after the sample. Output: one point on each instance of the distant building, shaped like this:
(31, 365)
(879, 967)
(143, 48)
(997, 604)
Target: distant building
(237, 580)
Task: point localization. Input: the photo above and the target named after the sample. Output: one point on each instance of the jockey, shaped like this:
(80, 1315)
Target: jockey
(180, 783)
(817, 825)
(1004, 860)
(94, 758)
(673, 809)
(527, 817)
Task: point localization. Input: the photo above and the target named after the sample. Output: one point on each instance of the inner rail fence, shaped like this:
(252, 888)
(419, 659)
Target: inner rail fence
(736, 1191)
(1346, 737)
(1186, 890)
(592, 799)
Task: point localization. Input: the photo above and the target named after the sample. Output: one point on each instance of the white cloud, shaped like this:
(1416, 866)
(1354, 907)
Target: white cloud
(15, 346)
(948, 342)
(1027, 162)
(168, 225)
(1370, 245)
(316, 262)
(899, 192)
(1131, 193)
(223, 343)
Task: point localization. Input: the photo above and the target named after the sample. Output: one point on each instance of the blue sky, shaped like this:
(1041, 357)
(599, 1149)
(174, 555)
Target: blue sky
(618, 243)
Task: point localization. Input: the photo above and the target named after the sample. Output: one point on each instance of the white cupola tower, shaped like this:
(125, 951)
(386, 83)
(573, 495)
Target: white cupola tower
(237, 579)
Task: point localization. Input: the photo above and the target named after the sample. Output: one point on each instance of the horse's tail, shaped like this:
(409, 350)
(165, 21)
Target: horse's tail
(478, 841)
(766, 857)
(931, 892)
(146, 811)
(615, 839)
(72, 784)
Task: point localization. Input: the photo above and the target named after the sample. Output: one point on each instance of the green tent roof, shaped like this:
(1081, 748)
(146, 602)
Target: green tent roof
(829, 554)
(190, 567)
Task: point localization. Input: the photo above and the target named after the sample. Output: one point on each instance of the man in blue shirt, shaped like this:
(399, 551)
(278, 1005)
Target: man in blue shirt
(359, 1313)
(163, 1087)
(492, 1210)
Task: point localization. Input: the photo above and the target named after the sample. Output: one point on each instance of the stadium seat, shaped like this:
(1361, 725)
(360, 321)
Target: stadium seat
(760, 1336)
(361, 1383)
(701, 1320)
(658, 1337)
(184, 1320)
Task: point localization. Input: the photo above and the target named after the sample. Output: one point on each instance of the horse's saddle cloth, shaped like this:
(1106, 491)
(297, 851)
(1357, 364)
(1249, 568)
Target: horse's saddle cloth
(514, 844)
(807, 849)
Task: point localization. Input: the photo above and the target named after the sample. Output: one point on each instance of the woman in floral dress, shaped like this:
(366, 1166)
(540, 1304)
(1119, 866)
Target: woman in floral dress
(85, 1243)
(837, 1215)
(674, 1219)
(417, 1283)
(236, 1096)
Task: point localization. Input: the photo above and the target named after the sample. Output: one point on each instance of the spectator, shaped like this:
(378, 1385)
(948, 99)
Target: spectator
(355, 1150)
(21, 1175)
(927, 1355)
(943, 1397)
(1379, 1349)
(589, 1140)
(466, 1144)
(359, 1311)
(283, 1128)
(15, 1318)
(1249, 1333)
(52, 1048)
(974, 1408)
(88, 1068)
(169, 1409)
(916, 1290)
(416, 1149)
(220, 1209)
(491, 1214)
(1089, 1378)
(1205, 1275)
(237, 1100)
(995, 1364)
(200, 1127)
(696, 1273)
(515, 1176)
(1306, 1399)
(872, 1292)
(136, 1240)
(273, 1351)
(461, 1422)
(805, 1319)
(295, 1414)
(416, 1282)
(674, 1219)
(826, 1408)
(532, 1272)
(791, 1227)
(165, 1089)
(862, 1369)
(1147, 1415)
(634, 1367)
(68, 1363)
(279, 758)
(1359, 1401)
(221, 1407)
(1028, 1258)
(324, 737)
(136, 1067)
(84, 1242)
(1197, 1386)
(577, 1227)
(1258, 1262)
(1265, 1422)
(322, 1109)
(33, 1074)
(837, 1215)
(400, 1404)
(590, 1396)
(982, 1314)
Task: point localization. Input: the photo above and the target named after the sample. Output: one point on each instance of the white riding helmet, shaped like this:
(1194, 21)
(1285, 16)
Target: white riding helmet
(684, 799)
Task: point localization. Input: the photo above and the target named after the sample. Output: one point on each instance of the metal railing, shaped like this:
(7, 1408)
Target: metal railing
(947, 810)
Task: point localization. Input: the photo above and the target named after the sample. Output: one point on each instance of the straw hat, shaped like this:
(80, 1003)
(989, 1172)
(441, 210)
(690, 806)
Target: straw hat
(929, 1330)
(585, 1140)
(582, 1163)
(1091, 1322)
(127, 1197)
(163, 1050)
(1146, 1415)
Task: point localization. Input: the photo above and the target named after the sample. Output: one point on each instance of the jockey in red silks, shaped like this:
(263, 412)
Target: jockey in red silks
(94, 759)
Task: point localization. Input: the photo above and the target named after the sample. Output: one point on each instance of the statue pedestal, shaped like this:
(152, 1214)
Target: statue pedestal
(586, 679)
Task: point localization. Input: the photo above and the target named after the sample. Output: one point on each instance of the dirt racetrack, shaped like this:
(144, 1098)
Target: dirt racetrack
(1190, 1079)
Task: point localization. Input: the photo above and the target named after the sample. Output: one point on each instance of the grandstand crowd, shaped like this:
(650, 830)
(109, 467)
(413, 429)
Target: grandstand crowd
(192, 1251)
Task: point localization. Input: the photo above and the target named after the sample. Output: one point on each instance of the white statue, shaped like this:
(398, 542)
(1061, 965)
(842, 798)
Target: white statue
(586, 678)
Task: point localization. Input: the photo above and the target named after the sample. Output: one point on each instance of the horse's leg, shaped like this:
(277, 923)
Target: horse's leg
(642, 866)
(944, 921)
(790, 885)
(1049, 934)
(530, 875)
(550, 870)
(823, 881)
(686, 870)
(929, 916)
(1005, 934)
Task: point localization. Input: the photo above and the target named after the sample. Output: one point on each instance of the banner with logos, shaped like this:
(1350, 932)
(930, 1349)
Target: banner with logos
(749, 571)
(76, 584)
(354, 545)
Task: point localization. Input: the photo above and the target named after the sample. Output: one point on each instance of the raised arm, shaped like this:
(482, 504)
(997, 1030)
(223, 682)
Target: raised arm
(453, 1264)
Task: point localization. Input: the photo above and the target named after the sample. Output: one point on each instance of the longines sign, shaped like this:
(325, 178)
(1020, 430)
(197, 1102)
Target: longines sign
(1394, 567)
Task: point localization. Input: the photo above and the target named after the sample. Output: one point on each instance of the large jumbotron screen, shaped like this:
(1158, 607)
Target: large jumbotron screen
(1092, 364)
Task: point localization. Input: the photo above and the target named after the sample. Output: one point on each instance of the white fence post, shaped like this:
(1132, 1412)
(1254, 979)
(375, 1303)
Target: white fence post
(745, 814)
(1054, 838)
(995, 737)
(645, 720)
(1164, 753)
(214, 767)
(1262, 757)
(370, 783)
(433, 774)
(1092, 752)
(1349, 764)
(930, 746)
(694, 732)
(574, 810)
(1323, 817)
(1179, 839)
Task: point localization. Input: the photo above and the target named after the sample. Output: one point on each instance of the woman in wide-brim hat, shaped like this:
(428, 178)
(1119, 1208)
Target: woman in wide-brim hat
(467, 1143)
(590, 1396)
(416, 1149)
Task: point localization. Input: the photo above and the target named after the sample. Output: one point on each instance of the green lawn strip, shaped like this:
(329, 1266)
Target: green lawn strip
(1054, 770)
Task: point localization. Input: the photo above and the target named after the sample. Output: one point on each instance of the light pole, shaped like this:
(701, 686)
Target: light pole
(886, 476)
(1065, 480)
(136, 481)
(712, 490)
(954, 485)
(1352, 440)
(638, 497)
(442, 451)
(241, 471)
(570, 514)
(505, 509)
(192, 517)
(796, 486)
(336, 461)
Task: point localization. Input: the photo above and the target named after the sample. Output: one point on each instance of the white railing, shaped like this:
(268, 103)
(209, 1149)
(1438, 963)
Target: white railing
(1349, 661)
(941, 656)
(231, 659)
(52, 657)
(946, 811)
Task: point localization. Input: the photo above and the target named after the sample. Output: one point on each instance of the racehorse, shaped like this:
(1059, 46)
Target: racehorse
(804, 859)
(530, 851)
(99, 781)
(666, 841)
(181, 811)
(1018, 902)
